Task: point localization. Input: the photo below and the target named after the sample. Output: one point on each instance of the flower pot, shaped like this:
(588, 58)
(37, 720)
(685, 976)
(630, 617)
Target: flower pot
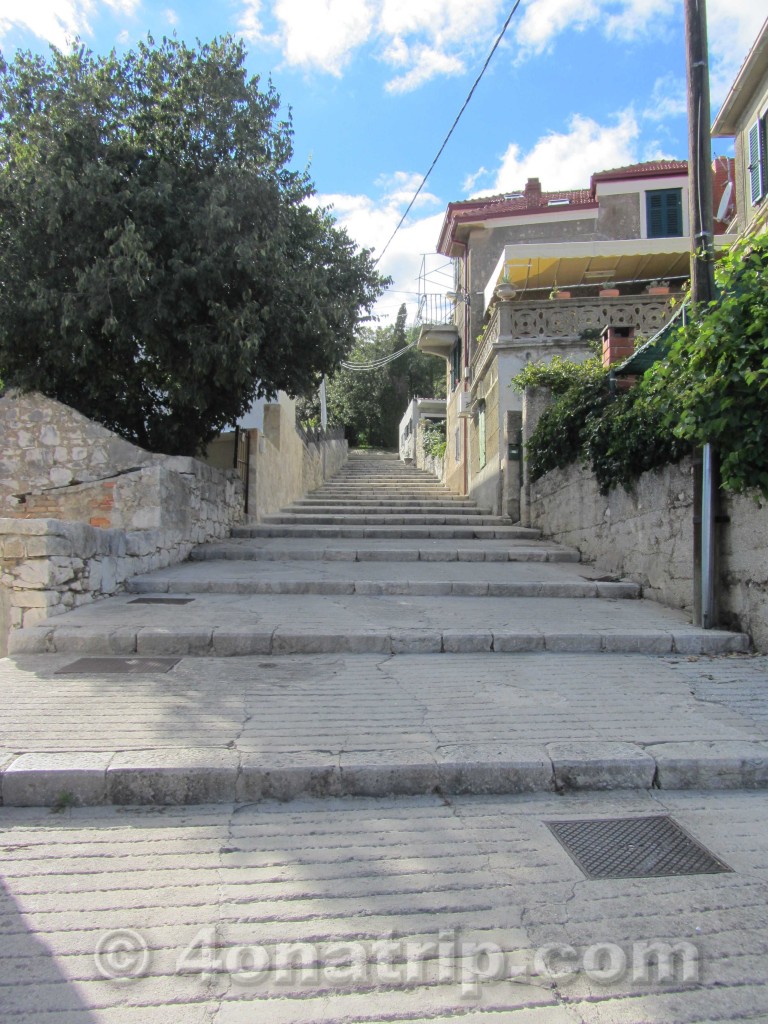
(609, 293)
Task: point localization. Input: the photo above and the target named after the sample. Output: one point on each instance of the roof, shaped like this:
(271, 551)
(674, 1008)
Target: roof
(532, 201)
(650, 169)
(744, 86)
(511, 204)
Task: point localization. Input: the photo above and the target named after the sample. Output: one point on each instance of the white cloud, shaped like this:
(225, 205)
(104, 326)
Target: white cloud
(733, 26)
(567, 159)
(427, 64)
(321, 35)
(57, 21)
(128, 7)
(543, 20)
(171, 16)
(370, 222)
(668, 99)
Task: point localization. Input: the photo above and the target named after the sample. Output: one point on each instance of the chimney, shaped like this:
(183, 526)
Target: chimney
(618, 344)
(533, 192)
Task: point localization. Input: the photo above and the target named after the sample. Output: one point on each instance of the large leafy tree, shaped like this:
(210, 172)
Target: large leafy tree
(160, 263)
(371, 403)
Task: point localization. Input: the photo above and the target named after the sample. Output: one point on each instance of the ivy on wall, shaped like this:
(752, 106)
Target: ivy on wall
(712, 387)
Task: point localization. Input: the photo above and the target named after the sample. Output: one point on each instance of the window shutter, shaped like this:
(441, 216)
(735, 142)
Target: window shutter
(674, 211)
(756, 167)
(655, 215)
(664, 213)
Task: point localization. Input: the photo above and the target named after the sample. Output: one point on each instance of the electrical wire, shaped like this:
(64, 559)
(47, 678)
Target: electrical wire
(453, 127)
(377, 364)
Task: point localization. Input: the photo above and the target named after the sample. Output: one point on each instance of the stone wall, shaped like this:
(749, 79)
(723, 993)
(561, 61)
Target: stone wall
(282, 466)
(647, 536)
(48, 566)
(45, 445)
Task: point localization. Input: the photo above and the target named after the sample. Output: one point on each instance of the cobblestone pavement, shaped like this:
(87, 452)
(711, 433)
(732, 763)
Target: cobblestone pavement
(420, 909)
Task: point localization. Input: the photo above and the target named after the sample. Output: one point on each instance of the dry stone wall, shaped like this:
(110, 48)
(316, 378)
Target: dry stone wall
(81, 510)
(46, 445)
(647, 536)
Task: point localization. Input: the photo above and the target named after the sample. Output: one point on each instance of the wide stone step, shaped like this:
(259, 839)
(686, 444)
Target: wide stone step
(437, 579)
(389, 532)
(308, 726)
(406, 550)
(376, 506)
(340, 518)
(278, 624)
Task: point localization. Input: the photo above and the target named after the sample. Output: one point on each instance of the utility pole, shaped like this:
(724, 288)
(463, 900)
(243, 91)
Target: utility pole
(702, 287)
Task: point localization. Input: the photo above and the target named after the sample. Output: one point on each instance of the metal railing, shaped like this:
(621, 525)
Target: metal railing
(435, 309)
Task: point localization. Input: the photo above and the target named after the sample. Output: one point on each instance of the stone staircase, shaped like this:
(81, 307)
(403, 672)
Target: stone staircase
(322, 625)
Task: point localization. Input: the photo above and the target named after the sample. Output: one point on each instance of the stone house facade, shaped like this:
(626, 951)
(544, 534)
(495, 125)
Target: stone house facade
(542, 273)
(744, 117)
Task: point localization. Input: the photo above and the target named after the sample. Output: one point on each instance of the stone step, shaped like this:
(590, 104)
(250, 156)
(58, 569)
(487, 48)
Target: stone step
(346, 549)
(390, 532)
(305, 726)
(375, 506)
(438, 579)
(242, 624)
(339, 518)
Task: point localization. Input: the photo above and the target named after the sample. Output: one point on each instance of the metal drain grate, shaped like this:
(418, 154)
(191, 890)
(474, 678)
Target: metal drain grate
(117, 666)
(634, 848)
(162, 600)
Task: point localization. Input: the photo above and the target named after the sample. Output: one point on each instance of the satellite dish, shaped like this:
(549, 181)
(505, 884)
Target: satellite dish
(725, 202)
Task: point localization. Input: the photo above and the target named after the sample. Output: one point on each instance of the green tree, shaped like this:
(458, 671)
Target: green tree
(160, 264)
(371, 403)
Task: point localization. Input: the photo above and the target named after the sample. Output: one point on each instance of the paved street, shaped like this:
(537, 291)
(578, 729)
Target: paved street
(427, 909)
(309, 779)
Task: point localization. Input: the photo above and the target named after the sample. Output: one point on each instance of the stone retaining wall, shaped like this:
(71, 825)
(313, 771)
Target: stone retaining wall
(46, 444)
(647, 536)
(49, 565)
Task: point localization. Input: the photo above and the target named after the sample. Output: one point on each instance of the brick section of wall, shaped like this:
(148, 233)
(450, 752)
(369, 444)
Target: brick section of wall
(48, 445)
(48, 565)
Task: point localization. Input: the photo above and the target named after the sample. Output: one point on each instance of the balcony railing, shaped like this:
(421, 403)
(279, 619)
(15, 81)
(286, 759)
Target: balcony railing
(435, 309)
(566, 319)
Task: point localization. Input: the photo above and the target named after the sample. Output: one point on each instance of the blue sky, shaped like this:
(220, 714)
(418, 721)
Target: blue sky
(374, 85)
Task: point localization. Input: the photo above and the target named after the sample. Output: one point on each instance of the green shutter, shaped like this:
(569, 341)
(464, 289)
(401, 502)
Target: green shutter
(481, 434)
(664, 213)
(757, 162)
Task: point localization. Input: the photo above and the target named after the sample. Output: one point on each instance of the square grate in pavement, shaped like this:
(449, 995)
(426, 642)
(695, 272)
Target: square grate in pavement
(649, 847)
(162, 600)
(117, 666)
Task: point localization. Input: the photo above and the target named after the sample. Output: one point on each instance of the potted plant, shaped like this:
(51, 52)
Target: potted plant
(608, 290)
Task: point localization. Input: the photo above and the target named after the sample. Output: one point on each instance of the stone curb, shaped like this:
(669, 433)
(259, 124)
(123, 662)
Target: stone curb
(426, 588)
(239, 552)
(390, 532)
(224, 642)
(173, 777)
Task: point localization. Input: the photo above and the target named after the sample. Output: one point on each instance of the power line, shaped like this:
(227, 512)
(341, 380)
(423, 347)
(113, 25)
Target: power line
(450, 133)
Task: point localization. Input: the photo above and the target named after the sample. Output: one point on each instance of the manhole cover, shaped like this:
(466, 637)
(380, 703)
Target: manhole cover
(634, 848)
(161, 600)
(124, 666)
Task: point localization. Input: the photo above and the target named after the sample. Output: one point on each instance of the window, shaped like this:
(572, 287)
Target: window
(758, 161)
(664, 212)
(455, 365)
(481, 434)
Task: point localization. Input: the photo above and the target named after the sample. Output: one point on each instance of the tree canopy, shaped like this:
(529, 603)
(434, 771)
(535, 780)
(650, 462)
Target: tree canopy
(371, 403)
(161, 264)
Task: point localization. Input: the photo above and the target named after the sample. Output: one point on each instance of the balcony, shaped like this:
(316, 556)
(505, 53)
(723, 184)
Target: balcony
(438, 333)
(537, 322)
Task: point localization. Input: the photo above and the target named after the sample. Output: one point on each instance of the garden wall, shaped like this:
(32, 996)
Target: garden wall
(647, 536)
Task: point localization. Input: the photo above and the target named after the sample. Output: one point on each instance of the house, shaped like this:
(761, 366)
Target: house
(744, 117)
(542, 273)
